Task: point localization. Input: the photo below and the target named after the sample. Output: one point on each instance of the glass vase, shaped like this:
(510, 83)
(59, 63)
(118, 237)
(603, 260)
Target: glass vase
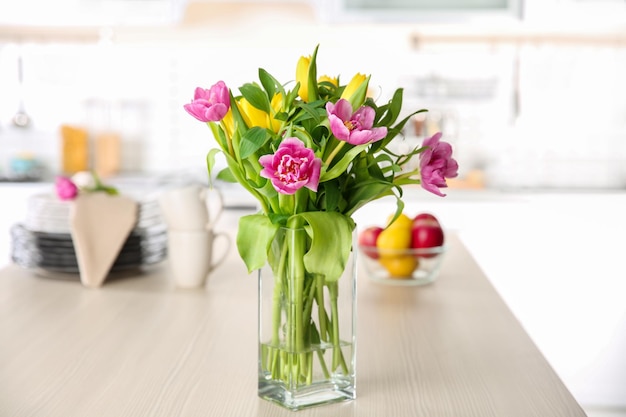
(307, 338)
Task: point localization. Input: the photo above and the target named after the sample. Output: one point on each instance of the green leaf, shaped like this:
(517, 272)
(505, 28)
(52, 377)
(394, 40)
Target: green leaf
(226, 175)
(252, 141)
(237, 172)
(394, 108)
(408, 180)
(312, 77)
(109, 190)
(394, 131)
(238, 121)
(210, 163)
(254, 237)
(399, 209)
(398, 128)
(331, 243)
(282, 116)
(367, 191)
(342, 165)
(256, 96)
(268, 82)
(303, 135)
(311, 111)
(253, 172)
(218, 134)
(333, 195)
(236, 140)
(292, 94)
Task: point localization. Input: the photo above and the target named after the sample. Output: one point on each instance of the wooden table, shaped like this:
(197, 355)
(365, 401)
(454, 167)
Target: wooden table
(139, 347)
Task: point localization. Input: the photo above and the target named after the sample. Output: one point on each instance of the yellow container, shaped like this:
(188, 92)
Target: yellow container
(108, 154)
(74, 149)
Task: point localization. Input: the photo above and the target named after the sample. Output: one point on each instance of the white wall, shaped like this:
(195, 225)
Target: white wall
(565, 126)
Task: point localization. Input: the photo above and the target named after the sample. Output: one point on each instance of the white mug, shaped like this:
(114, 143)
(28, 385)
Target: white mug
(193, 207)
(190, 255)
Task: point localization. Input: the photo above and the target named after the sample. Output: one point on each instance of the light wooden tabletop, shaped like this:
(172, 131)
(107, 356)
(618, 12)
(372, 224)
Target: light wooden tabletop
(139, 347)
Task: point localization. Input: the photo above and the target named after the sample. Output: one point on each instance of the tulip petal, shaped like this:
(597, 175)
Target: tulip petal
(437, 164)
(209, 105)
(338, 128)
(354, 128)
(365, 115)
(291, 167)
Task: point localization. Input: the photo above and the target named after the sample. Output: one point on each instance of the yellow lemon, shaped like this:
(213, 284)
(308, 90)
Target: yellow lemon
(403, 221)
(400, 266)
(394, 238)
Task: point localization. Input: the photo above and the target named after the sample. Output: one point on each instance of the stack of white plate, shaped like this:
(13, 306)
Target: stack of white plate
(47, 213)
(55, 252)
(44, 240)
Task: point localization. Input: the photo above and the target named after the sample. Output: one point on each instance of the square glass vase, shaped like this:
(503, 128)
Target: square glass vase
(307, 328)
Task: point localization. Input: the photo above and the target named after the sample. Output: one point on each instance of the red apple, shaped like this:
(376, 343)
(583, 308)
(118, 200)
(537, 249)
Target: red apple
(425, 218)
(367, 239)
(426, 232)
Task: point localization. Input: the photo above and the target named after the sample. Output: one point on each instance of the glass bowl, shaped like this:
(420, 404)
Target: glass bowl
(404, 267)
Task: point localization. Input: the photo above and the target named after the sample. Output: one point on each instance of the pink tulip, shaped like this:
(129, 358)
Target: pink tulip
(66, 189)
(354, 128)
(437, 164)
(210, 105)
(292, 167)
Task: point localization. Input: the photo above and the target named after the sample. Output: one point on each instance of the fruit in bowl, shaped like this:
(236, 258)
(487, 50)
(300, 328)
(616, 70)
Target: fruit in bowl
(367, 240)
(426, 232)
(406, 252)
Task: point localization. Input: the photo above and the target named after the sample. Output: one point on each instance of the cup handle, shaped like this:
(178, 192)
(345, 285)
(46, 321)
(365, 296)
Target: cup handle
(226, 248)
(213, 217)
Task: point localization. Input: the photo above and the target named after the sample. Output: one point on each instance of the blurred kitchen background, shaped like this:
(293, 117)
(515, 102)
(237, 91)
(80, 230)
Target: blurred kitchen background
(531, 93)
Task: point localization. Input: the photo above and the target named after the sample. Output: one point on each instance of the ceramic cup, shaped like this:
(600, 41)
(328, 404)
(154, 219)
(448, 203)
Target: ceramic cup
(190, 255)
(191, 208)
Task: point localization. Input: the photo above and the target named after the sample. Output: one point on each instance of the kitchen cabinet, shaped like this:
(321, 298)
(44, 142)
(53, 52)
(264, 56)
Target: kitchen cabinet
(88, 13)
(577, 15)
(423, 11)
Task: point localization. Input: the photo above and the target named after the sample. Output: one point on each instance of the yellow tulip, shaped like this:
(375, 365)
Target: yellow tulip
(277, 102)
(302, 76)
(251, 115)
(255, 117)
(326, 78)
(356, 90)
(229, 123)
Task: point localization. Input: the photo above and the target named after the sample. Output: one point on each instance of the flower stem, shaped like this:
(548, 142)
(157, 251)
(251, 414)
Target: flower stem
(319, 296)
(407, 174)
(334, 153)
(229, 142)
(297, 240)
(286, 203)
(301, 340)
(279, 289)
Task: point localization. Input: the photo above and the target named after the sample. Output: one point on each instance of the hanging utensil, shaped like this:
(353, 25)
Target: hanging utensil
(21, 118)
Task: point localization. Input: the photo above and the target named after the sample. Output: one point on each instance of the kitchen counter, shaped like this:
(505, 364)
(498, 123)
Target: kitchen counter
(138, 347)
(554, 256)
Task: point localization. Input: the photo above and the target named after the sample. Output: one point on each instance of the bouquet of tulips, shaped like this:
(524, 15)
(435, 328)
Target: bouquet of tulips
(312, 153)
